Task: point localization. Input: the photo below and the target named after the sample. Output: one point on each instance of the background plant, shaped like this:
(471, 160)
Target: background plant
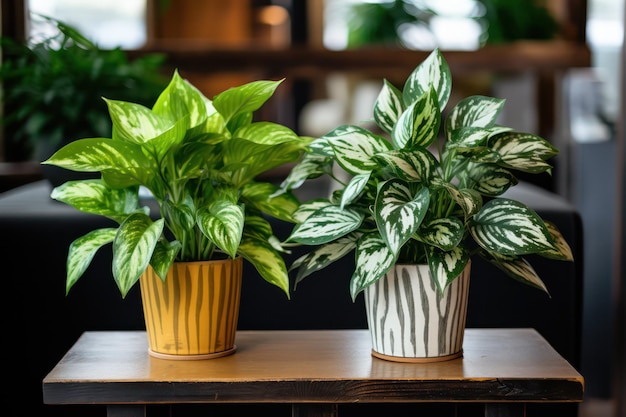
(53, 86)
(424, 188)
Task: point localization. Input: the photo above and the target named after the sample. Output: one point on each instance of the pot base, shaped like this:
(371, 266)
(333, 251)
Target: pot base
(416, 360)
(192, 357)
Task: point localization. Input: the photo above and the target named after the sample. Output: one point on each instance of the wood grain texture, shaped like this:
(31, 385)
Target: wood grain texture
(333, 366)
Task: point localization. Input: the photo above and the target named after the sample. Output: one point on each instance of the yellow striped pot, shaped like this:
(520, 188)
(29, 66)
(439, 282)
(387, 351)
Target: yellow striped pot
(410, 321)
(193, 313)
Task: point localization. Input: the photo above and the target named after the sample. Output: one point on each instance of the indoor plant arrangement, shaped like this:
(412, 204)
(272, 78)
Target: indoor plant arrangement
(199, 159)
(420, 199)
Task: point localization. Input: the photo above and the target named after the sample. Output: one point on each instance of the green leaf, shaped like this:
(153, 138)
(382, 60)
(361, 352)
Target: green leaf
(323, 256)
(399, 212)
(444, 233)
(354, 189)
(524, 151)
(355, 149)
(516, 268)
(409, 165)
(99, 154)
(311, 166)
(132, 249)
(307, 209)
(244, 99)
(562, 251)
(163, 256)
(266, 260)
(388, 107)
(268, 133)
(418, 126)
(373, 260)
(82, 251)
(267, 198)
(325, 225)
(95, 197)
(488, 179)
(446, 266)
(223, 224)
(432, 72)
(135, 123)
(470, 200)
(474, 111)
(508, 227)
(181, 100)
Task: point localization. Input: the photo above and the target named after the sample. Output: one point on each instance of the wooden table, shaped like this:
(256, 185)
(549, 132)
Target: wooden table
(315, 371)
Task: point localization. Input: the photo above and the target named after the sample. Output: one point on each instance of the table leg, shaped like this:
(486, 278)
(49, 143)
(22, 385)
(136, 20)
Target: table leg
(133, 410)
(505, 410)
(314, 410)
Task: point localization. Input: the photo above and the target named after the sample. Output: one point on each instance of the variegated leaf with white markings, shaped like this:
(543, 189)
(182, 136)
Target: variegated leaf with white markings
(445, 233)
(399, 212)
(267, 261)
(323, 256)
(562, 251)
(325, 225)
(354, 189)
(474, 111)
(223, 223)
(487, 179)
(509, 227)
(517, 268)
(524, 151)
(388, 107)
(355, 150)
(409, 165)
(446, 266)
(434, 73)
(418, 125)
(373, 260)
(469, 200)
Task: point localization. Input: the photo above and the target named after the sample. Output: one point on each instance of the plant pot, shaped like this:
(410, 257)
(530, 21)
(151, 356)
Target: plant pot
(194, 313)
(410, 321)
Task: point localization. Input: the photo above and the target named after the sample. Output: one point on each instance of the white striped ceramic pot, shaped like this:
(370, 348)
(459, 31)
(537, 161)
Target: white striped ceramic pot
(411, 321)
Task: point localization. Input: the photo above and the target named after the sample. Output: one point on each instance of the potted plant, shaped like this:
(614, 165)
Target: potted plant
(53, 86)
(416, 205)
(199, 159)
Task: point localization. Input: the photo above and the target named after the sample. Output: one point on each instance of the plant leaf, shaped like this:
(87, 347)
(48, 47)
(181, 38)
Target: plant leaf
(488, 179)
(266, 260)
(444, 233)
(326, 224)
(409, 165)
(516, 268)
(132, 249)
(246, 98)
(511, 228)
(223, 223)
(135, 123)
(181, 100)
(563, 251)
(323, 256)
(163, 256)
(524, 151)
(474, 111)
(373, 260)
(354, 189)
(82, 251)
(265, 197)
(446, 266)
(432, 72)
(418, 125)
(355, 149)
(399, 212)
(95, 197)
(388, 106)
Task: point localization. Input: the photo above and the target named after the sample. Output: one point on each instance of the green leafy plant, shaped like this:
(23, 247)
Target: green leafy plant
(199, 158)
(414, 195)
(53, 87)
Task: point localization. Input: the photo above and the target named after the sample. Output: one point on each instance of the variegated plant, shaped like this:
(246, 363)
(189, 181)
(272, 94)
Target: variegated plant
(423, 189)
(199, 159)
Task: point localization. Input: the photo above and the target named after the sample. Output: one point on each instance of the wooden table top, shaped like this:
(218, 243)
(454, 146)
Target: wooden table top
(113, 367)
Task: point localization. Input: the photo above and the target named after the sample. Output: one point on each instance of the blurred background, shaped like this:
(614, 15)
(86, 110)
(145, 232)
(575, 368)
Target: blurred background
(558, 63)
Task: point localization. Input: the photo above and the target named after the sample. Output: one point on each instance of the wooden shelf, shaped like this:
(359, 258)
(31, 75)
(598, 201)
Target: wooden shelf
(301, 61)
